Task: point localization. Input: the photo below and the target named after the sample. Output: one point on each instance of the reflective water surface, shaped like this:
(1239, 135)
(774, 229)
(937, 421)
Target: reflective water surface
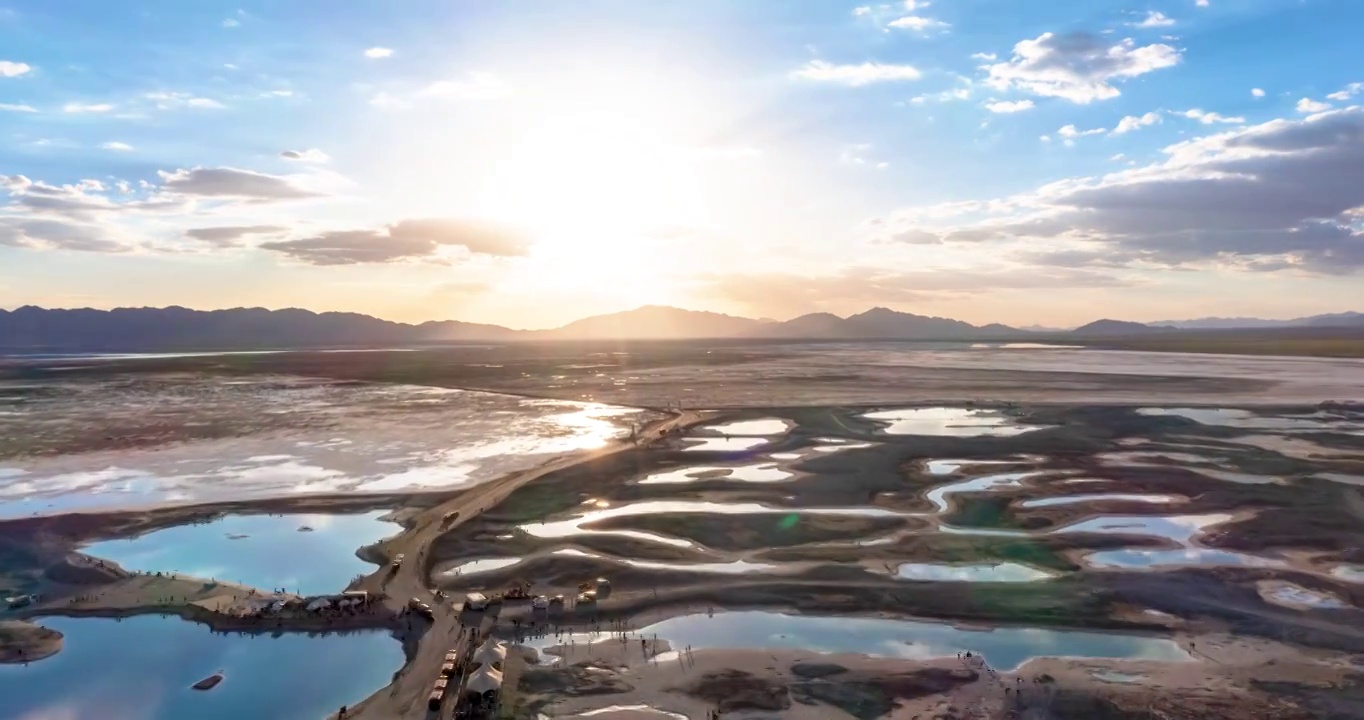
(1005, 648)
(141, 668)
(961, 422)
(310, 554)
(999, 572)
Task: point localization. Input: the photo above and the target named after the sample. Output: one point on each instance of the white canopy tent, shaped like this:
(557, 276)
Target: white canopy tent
(484, 680)
(490, 652)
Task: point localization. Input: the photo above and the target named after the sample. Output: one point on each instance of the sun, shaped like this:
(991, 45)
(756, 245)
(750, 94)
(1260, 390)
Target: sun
(592, 182)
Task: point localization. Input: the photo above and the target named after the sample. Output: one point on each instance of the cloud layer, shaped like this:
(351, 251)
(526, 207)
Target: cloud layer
(1282, 195)
(407, 239)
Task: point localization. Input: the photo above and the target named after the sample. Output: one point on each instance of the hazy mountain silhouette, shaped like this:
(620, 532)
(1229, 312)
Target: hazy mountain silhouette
(1118, 327)
(1345, 319)
(655, 322)
(33, 329)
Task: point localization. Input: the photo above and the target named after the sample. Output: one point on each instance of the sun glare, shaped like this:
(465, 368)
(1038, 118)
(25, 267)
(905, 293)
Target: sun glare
(592, 181)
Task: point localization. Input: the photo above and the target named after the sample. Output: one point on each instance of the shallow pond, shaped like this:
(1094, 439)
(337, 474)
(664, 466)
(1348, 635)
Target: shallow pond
(723, 444)
(1237, 418)
(959, 422)
(264, 551)
(141, 668)
(1004, 647)
(1098, 497)
(758, 473)
(1298, 597)
(1184, 557)
(938, 496)
(1179, 528)
(1350, 573)
(765, 426)
(574, 526)
(1000, 572)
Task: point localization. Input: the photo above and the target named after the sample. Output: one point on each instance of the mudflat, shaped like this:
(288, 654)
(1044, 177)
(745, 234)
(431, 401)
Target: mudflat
(1149, 559)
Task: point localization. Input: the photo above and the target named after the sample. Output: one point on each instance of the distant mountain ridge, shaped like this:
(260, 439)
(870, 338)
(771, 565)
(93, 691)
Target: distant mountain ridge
(1345, 319)
(35, 329)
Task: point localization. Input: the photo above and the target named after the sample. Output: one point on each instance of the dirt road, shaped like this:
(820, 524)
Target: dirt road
(406, 696)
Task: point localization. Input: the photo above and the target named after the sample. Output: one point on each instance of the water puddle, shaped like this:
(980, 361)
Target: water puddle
(1098, 497)
(840, 447)
(1005, 648)
(759, 473)
(948, 421)
(1184, 557)
(574, 526)
(724, 444)
(1349, 573)
(630, 712)
(1342, 478)
(952, 466)
(1297, 597)
(999, 572)
(737, 567)
(939, 495)
(1117, 677)
(765, 426)
(142, 667)
(308, 554)
(1177, 528)
(1237, 418)
(479, 566)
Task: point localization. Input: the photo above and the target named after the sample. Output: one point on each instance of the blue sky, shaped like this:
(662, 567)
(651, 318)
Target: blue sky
(529, 162)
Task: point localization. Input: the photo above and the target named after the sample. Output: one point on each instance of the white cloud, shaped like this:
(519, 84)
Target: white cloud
(165, 100)
(385, 101)
(1079, 67)
(1257, 92)
(1307, 105)
(311, 155)
(961, 93)
(1209, 118)
(1201, 3)
(115, 145)
(1346, 92)
(477, 86)
(882, 165)
(376, 53)
(232, 183)
(278, 93)
(984, 57)
(75, 107)
(1154, 19)
(9, 68)
(855, 75)
(855, 154)
(1008, 106)
(918, 23)
(231, 22)
(1281, 195)
(861, 11)
(1135, 122)
(1070, 131)
(17, 107)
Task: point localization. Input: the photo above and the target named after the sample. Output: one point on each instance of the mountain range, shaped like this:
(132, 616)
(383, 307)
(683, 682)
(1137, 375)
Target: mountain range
(34, 329)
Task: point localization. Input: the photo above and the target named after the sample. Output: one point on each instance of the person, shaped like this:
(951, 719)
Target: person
(341, 714)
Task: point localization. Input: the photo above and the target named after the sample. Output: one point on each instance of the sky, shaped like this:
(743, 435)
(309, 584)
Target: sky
(531, 162)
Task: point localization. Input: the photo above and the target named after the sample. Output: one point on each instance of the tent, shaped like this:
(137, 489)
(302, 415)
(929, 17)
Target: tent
(484, 680)
(490, 653)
